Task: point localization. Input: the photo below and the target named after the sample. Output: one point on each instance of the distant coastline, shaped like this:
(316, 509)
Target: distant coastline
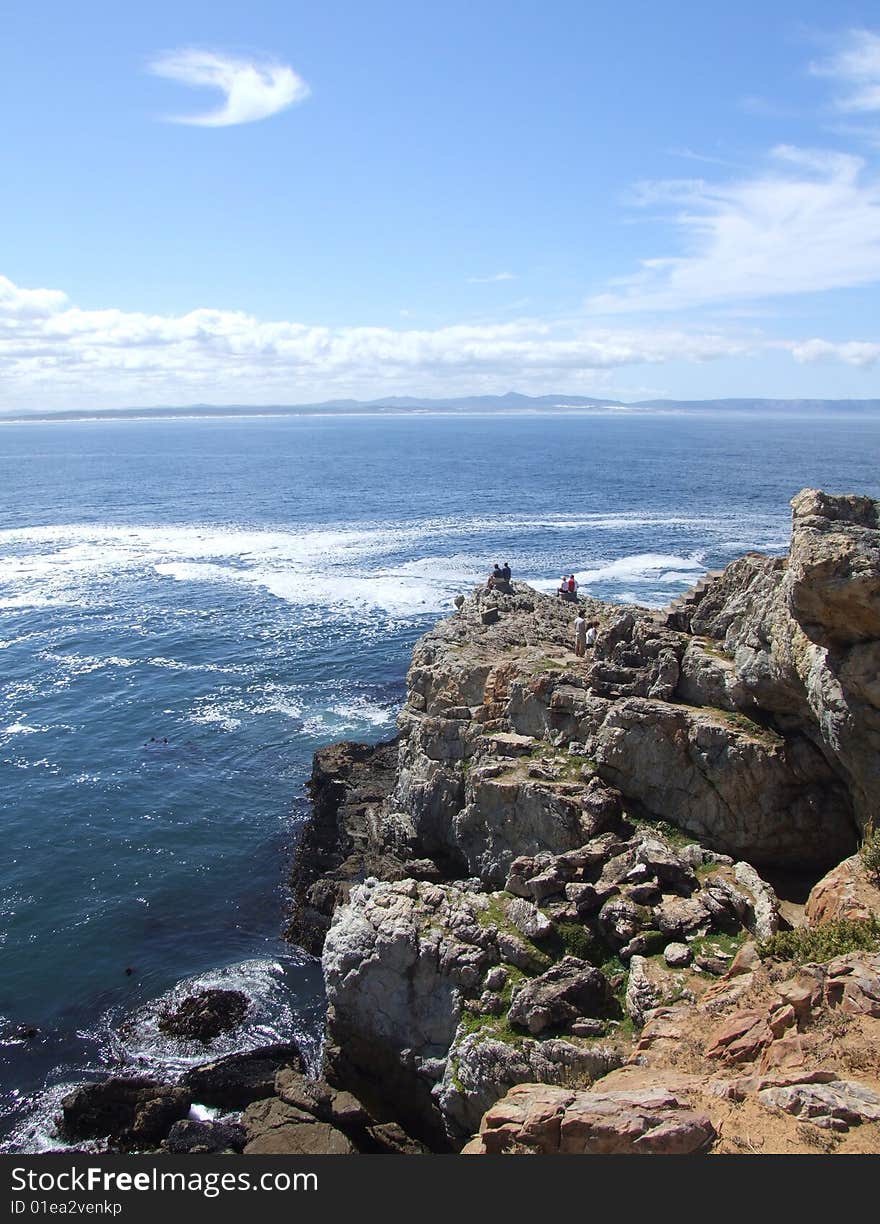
(502, 405)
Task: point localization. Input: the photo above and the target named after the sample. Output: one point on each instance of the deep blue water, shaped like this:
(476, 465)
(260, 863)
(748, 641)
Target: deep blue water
(246, 590)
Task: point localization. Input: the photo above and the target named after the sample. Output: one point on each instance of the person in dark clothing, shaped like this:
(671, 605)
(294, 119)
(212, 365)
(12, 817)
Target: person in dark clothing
(505, 571)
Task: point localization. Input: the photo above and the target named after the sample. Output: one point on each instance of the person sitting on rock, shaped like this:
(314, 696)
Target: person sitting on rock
(562, 589)
(495, 577)
(505, 572)
(572, 586)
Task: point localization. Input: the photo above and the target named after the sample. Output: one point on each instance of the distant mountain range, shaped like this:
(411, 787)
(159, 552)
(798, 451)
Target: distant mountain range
(511, 402)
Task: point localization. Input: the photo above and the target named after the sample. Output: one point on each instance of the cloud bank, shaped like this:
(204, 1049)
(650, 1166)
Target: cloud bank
(52, 350)
(252, 89)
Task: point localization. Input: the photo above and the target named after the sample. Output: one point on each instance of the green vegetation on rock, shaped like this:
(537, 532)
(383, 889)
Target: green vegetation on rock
(822, 943)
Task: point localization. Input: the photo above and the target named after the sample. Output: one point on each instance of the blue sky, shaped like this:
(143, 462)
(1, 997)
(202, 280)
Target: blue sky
(286, 202)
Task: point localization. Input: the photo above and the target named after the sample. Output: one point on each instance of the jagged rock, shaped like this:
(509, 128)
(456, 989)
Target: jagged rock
(852, 983)
(496, 979)
(520, 955)
(237, 1080)
(528, 919)
(569, 990)
(131, 1112)
(761, 738)
(741, 1037)
(544, 1119)
(646, 943)
(205, 1015)
(390, 1139)
(663, 863)
(482, 1068)
(621, 920)
(764, 919)
(641, 997)
(845, 1100)
(346, 837)
(189, 1137)
(715, 965)
(729, 781)
(834, 568)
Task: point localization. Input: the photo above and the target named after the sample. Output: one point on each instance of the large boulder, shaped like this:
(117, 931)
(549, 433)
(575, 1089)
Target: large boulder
(237, 1080)
(130, 1112)
(561, 1121)
(397, 961)
(740, 788)
(482, 1067)
(566, 992)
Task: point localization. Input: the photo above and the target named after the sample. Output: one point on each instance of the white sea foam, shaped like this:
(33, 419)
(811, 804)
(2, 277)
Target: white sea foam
(272, 1017)
(361, 710)
(380, 567)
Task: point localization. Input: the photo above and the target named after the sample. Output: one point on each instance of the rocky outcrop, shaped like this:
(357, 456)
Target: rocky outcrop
(130, 1112)
(537, 1118)
(493, 892)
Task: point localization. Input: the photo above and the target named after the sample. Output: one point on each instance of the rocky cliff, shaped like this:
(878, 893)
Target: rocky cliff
(557, 853)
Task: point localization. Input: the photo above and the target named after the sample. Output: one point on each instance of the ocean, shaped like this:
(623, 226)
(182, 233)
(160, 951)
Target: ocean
(190, 607)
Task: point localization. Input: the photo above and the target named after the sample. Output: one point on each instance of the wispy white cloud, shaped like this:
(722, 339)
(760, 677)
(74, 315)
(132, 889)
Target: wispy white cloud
(491, 280)
(253, 89)
(855, 65)
(51, 350)
(809, 223)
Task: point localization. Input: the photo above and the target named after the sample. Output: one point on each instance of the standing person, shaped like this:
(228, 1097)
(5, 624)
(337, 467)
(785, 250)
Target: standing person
(580, 635)
(590, 635)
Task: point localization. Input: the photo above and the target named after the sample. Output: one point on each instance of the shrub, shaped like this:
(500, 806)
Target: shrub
(822, 943)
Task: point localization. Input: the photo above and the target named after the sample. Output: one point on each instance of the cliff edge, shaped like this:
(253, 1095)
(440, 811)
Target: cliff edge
(542, 909)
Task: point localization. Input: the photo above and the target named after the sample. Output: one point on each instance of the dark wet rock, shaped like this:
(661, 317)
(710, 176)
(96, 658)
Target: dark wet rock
(339, 844)
(389, 1139)
(205, 1015)
(276, 1129)
(130, 1112)
(195, 1138)
(234, 1082)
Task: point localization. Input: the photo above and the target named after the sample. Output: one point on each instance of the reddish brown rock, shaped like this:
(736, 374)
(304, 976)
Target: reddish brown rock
(845, 892)
(740, 1038)
(542, 1119)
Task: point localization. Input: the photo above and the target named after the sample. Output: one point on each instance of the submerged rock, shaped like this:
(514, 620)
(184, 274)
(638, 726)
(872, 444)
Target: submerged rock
(205, 1015)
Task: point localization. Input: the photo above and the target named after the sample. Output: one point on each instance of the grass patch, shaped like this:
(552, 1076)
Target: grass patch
(549, 665)
(718, 943)
(495, 914)
(577, 940)
(740, 722)
(669, 832)
(822, 943)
